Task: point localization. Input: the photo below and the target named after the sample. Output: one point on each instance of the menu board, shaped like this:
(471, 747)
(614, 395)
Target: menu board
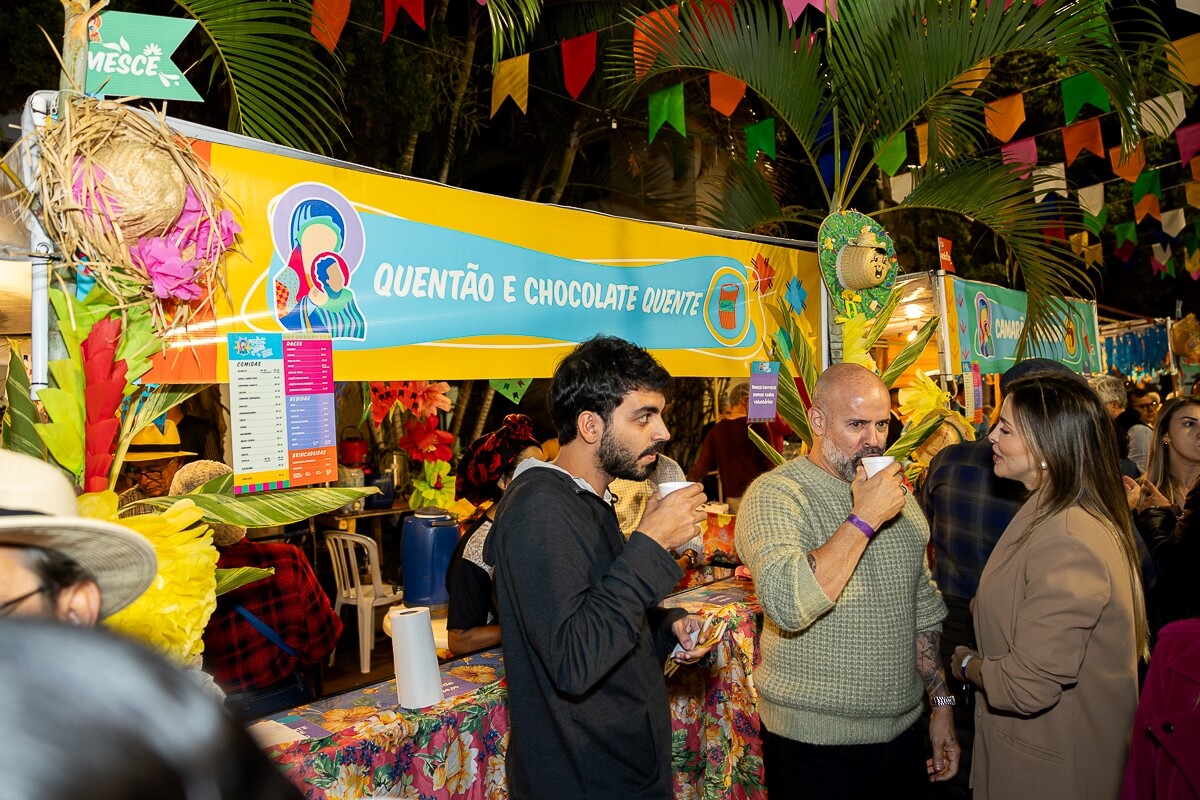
(282, 406)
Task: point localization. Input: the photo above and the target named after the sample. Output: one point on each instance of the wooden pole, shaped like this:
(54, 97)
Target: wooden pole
(75, 43)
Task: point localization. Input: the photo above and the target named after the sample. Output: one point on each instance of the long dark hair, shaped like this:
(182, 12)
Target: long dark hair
(1158, 467)
(1069, 432)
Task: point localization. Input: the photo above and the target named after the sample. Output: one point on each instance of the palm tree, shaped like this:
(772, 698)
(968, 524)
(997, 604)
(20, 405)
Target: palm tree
(882, 66)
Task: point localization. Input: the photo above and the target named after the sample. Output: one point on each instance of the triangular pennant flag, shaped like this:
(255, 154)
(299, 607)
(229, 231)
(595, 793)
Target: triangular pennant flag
(1096, 222)
(415, 9)
(666, 105)
(1092, 254)
(328, 20)
(922, 143)
(1004, 116)
(1188, 67)
(890, 155)
(1161, 252)
(1124, 252)
(1126, 233)
(760, 136)
(1130, 166)
(1148, 205)
(1173, 222)
(1091, 198)
(1080, 89)
(1022, 151)
(725, 92)
(1157, 265)
(793, 9)
(945, 262)
(1082, 136)
(1050, 180)
(1192, 189)
(1188, 139)
(901, 185)
(658, 24)
(512, 80)
(1191, 242)
(1191, 263)
(1150, 182)
(1195, 166)
(1162, 115)
(1054, 231)
(969, 81)
(825, 166)
(512, 388)
(1171, 268)
(1079, 242)
(579, 62)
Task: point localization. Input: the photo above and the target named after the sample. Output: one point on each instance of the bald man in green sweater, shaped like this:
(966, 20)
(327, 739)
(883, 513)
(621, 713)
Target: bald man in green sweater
(853, 618)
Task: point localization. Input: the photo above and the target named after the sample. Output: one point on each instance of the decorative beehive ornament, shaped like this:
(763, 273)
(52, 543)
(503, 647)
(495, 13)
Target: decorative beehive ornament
(863, 262)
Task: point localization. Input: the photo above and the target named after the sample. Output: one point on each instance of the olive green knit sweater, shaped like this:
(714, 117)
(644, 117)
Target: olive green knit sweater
(844, 672)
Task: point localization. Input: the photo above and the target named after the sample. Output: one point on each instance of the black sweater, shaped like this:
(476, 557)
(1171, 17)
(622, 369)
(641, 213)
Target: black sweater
(584, 644)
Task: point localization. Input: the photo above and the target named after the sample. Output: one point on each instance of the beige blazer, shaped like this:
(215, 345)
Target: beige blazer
(1054, 619)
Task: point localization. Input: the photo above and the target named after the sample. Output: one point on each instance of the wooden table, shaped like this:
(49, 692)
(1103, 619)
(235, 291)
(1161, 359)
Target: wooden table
(366, 746)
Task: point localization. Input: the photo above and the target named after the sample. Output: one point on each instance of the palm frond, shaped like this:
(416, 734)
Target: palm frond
(513, 23)
(279, 89)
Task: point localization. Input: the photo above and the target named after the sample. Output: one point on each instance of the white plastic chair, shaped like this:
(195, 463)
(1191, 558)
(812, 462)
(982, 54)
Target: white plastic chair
(352, 591)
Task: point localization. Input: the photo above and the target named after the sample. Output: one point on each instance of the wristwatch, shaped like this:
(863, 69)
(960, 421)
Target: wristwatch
(943, 700)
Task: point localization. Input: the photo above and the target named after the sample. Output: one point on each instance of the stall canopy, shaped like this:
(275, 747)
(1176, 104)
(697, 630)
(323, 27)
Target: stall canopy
(415, 280)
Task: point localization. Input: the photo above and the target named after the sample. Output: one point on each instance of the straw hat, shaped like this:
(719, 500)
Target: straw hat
(193, 476)
(37, 509)
(152, 444)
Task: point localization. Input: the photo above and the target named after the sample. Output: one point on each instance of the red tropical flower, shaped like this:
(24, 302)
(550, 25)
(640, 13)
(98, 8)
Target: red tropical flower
(423, 441)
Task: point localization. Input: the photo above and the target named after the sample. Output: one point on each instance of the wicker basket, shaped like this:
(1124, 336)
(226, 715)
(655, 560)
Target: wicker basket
(863, 262)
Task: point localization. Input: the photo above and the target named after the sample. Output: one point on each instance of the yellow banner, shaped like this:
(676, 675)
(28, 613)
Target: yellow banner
(416, 280)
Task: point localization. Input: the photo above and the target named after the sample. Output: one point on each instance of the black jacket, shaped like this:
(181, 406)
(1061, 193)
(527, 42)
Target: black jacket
(584, 644)
(1175, 544)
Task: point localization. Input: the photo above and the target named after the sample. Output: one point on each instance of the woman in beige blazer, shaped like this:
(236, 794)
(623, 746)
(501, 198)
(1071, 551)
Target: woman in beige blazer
(1059, 615)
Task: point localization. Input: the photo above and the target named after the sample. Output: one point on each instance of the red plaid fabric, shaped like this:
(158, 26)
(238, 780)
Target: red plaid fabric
(291, 601)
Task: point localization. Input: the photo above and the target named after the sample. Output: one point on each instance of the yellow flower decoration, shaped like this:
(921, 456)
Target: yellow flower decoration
(171, 615)
(481, 674)
(921, 398)
(436, 488)
(829, 243)
(854, 341)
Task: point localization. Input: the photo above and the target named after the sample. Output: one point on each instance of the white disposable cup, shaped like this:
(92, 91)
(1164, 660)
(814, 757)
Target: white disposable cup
(873, 464)
(665, 489)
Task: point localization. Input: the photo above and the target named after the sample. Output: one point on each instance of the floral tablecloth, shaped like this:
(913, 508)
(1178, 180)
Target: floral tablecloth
(456, 748)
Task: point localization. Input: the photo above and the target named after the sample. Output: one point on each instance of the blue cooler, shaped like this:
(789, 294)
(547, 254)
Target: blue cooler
(428, 540)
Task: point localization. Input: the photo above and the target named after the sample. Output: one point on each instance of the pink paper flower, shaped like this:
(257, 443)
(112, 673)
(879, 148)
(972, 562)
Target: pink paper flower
(194, 227)
(88, 192)
(170, 274)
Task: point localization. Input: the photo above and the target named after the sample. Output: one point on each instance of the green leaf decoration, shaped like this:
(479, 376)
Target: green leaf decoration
(883, 318)
(20, 433)
(222, 484)
(513, 23)
(236, 578)
(762, 444)
(157, 403)
(915, 436)
(910, 353)
(789, 406)
(264, 510)
(64, 434)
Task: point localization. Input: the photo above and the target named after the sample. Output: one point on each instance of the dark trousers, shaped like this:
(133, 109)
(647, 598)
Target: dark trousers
(799, 771)
(958, 630)
(290, 692)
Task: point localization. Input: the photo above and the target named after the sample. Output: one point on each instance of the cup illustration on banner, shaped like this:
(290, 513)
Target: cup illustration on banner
(727, 306)
(872, 464)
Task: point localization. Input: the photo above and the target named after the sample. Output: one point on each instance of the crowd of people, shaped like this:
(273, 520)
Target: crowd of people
(993, 625)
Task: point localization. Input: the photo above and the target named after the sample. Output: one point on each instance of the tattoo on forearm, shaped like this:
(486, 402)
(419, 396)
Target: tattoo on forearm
(929, 663)
(812, 563)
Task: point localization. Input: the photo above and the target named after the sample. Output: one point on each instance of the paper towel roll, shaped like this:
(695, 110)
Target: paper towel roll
(418, 679)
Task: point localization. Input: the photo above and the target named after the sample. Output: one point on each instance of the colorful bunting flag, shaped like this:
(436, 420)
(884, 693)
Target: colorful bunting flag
(1130, 166)
(1091, 198)
(1054, 231)
(512, 388)
(1082, 136)
(1096, 223)
(922, 143)
(1080, 89)
(725, 92)
(512, 80)
(1191, 262)
(1192, 189)
(1173, 222)
(1093, 255)
(890, 155)
(1125, 252)
(969, 81)
(1126, 233)
(1147, 205)
(579, 62)
(1022, 151)
(1079, 242)
(1162, 115)
(1188, 139)
(945, 262)
(901, 185)
(1050, 180)
(1195, 165)
(666, 105)
(1004, 116)
(1188, 67)
(659, 25)
(1188, 5)
(793, 8)
(1148, 182)
(415, 9)
(825, 166)
(760, 136)
(1159, 257)
(328, 20)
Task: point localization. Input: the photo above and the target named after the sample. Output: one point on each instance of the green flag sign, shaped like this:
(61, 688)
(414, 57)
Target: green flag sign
(130, 54)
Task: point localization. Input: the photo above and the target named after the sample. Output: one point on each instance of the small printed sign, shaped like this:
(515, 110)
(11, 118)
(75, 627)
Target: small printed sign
(764, 391)
(130, 55)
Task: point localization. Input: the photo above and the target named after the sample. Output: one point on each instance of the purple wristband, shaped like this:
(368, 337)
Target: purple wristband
(857, 522)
